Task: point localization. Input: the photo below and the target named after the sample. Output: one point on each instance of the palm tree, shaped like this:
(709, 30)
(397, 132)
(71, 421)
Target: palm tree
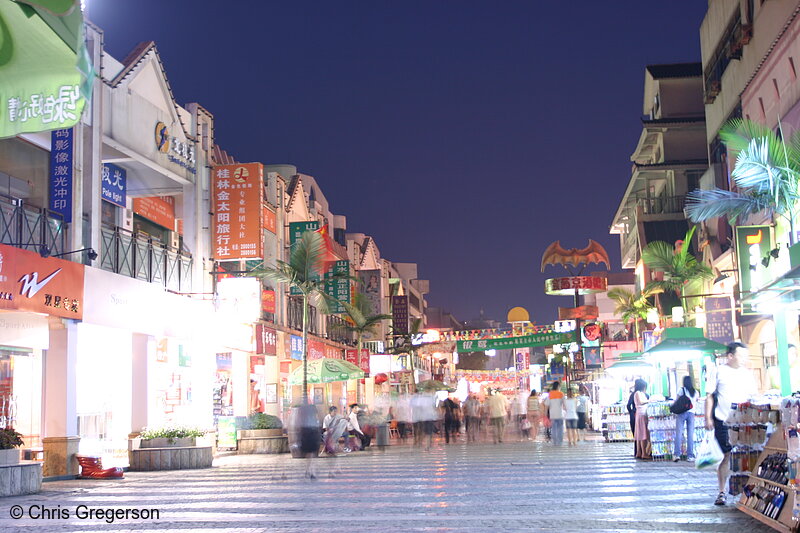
(363, 321)
(678, 265)
(403, 344)
(767, 176)
(308, 258)
(632, 306)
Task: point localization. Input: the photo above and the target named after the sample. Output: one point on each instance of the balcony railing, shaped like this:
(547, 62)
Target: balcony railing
(295, 315)
(28, 227)
(336, 330)
(666, 205)
(136, 256)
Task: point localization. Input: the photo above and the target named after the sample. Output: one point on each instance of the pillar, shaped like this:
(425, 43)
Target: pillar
(60, 436)
(782, 340)
(140, 402)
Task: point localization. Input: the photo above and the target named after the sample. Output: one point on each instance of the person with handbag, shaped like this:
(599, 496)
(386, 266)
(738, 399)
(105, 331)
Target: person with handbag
(641, 434)
(683, 408)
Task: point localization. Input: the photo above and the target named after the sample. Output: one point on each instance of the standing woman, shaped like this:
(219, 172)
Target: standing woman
(687, 418)
(583, 411)
(641, 434)
(571, 417)
(534, 413)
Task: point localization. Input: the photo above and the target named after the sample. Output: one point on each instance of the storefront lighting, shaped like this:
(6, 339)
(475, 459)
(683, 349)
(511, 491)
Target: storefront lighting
(677, 315)
(490, 353)
(652, 316)
(699, 317)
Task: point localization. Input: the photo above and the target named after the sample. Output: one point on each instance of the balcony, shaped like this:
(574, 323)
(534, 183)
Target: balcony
(295, 315)
(665, 205)
(136, 256)
(28, 227)
(336, 330)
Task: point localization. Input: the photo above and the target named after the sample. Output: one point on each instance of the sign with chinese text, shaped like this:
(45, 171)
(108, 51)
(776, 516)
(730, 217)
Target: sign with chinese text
(296, 229)
(30, 282)
(61, 160)
(538, 339)
(719, 319)
(400, 315)
(583, 284)
(181, 153)
(268, 301)
(238, 198)
(266, 340)
(338, 289)
(113, 187)
(522, 358)
(584, 312)
(157, 209)
(371, 288)
(270, 221)
(331, 352)
(316, 349)
(360, 360)
(296, 347)
(753, 246)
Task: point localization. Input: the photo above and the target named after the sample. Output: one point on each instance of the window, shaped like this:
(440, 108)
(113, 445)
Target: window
(24, 171)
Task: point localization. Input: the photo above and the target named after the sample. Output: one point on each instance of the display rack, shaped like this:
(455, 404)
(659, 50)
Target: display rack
(616, 425)
(661, 424)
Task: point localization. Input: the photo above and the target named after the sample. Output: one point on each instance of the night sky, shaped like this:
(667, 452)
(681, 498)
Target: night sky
(464, 136)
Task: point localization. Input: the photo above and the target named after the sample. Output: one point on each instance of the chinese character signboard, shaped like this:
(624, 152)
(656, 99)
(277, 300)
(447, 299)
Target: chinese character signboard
(296, 229)
(296, 347)
(331, 352)
(371, 288)
(238, 198)
(360, 360)
(537, 339)
(582, 284)
(29, 282)
(400, 315)
(522, 358)
(270, 222)
(316, 349)
(719, 319)
(266, 340)
(268, 301)
(753, 245)
(113, 187)
(61, 151)
(157, 209)
(338, 289)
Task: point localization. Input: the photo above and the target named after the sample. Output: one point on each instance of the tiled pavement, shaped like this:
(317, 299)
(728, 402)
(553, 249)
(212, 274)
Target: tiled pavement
(460, 488)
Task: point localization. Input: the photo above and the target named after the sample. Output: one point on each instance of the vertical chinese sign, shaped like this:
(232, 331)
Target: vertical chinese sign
(371, 288)
(238, 196)
(361, 360)
(296, 229)
(113, 187)
(719, 319)
(522, 358)
(61, 158)
(400, 315)
(338, 289)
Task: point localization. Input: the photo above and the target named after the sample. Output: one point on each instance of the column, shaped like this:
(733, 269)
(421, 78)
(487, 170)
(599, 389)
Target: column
(782, 340)
(139, 400)
(60, 436)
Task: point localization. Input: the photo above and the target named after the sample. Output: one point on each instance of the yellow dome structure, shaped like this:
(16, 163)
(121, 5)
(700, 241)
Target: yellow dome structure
(518, 314)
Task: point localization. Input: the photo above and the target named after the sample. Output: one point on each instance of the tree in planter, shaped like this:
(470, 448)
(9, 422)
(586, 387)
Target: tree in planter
(305, 271)
(766, 174)
(362, 320)
(632, 306)
(678, 266)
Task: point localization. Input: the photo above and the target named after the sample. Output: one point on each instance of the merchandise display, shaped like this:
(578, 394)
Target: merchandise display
(616, 425)
(661, 423)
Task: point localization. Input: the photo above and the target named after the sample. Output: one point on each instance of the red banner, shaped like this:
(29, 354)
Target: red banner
(158, 209)
(266, 340)
(332, 352)
(361, 362)
(237, 203)
(316, 349)
(268, 301)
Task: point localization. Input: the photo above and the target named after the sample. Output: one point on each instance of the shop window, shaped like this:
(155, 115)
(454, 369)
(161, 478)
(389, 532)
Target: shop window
(24, 171)
(149, 230)
(108, 213)
(769, 351)
(21, 394)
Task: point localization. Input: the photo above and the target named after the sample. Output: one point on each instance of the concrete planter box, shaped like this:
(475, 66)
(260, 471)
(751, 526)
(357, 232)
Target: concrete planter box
(9, 457)
(167, 443)
(19, 479)
(261, 441)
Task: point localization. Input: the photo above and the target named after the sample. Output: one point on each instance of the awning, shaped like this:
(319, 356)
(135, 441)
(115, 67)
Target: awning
(45, 71)
(685, 339)
(630, 361)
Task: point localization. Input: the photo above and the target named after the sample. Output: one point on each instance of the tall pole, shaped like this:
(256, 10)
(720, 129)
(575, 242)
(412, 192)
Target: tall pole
(305, 348)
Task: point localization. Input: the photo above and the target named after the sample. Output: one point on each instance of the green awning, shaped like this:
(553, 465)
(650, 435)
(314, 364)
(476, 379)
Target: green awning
(685, 339)
(45, 70)
(630, 365)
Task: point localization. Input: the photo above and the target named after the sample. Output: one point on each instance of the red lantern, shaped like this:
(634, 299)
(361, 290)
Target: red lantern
(381, 378)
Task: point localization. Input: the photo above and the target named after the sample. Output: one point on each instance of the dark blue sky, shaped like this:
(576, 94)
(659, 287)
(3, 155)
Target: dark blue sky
(464, 136)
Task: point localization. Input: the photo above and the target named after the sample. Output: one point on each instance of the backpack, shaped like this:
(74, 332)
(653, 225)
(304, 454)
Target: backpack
(682, 404)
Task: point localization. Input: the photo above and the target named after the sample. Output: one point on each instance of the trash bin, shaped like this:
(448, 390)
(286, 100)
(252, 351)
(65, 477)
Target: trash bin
(382, 435)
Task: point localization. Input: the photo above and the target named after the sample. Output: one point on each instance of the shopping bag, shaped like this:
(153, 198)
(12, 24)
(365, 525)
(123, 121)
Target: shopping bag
(546, 422)
(709, 454)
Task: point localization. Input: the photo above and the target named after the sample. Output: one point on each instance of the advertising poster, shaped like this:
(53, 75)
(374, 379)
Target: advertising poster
(719, 319)
(237, 204)
(226, 432)
(371, 288)
(61, 167)
(400, 315)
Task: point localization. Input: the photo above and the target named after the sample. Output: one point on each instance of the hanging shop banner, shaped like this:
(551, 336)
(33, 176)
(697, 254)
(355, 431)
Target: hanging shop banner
(583, 284)
(269, 221)
(113, 187)
(360, 360)
(371, 289)
(539, 339)
(719, 319)
(157, 209)
(591, 356)
(268, 301)
(522, 358)
(266, 340)
(332, 352)
(338, 289)
(61, 166)
(316, 349)
(753, 246)
(296, 344)
(296, 229)
(30, 282)
(44, 71)
(238, 199)
(400, 315)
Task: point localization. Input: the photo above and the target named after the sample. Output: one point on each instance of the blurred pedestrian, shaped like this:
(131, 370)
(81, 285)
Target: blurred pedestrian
(584, 404)
(554, 406)
(428, 415)
(497, 406)
(403, 416)
(641, 435)
(452, 418)
(571, 417)
(354, 429)
(472, 412)
(518, 409)
(305, 427)
(686, 418)
(631, 407)
(534, 414)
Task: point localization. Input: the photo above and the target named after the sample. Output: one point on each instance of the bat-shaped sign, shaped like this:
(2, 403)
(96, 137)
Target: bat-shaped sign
(555, 254)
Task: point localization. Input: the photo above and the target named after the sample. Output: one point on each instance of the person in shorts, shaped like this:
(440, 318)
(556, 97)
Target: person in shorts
(733, 383)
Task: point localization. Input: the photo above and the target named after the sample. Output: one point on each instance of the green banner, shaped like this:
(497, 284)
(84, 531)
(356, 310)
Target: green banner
(296, 229)
(41, 84)
(753, 246)
(537, 339)
(339, 289)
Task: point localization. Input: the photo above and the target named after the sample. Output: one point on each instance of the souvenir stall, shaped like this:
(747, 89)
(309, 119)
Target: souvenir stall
(661, 423)
(615, 388)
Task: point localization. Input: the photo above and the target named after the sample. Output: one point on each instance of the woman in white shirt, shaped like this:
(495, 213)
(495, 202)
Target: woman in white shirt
(571, 417)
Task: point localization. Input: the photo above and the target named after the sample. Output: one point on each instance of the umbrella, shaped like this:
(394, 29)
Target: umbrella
(326, 370)
(432, 385)
(685, 339)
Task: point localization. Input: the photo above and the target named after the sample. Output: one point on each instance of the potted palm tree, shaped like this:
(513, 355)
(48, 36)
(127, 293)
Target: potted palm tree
(632, 306)
(361, 319)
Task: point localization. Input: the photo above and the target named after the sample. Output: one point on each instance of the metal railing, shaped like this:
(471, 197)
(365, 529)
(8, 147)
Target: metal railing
(29, 227)
(665, 205)
(295, 315)
(136, 256)
(336, 330)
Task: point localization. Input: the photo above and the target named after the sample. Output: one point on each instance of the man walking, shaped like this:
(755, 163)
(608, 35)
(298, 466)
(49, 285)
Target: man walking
(554, 404)
(472, 411)
(498, 409)
(734, 383)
